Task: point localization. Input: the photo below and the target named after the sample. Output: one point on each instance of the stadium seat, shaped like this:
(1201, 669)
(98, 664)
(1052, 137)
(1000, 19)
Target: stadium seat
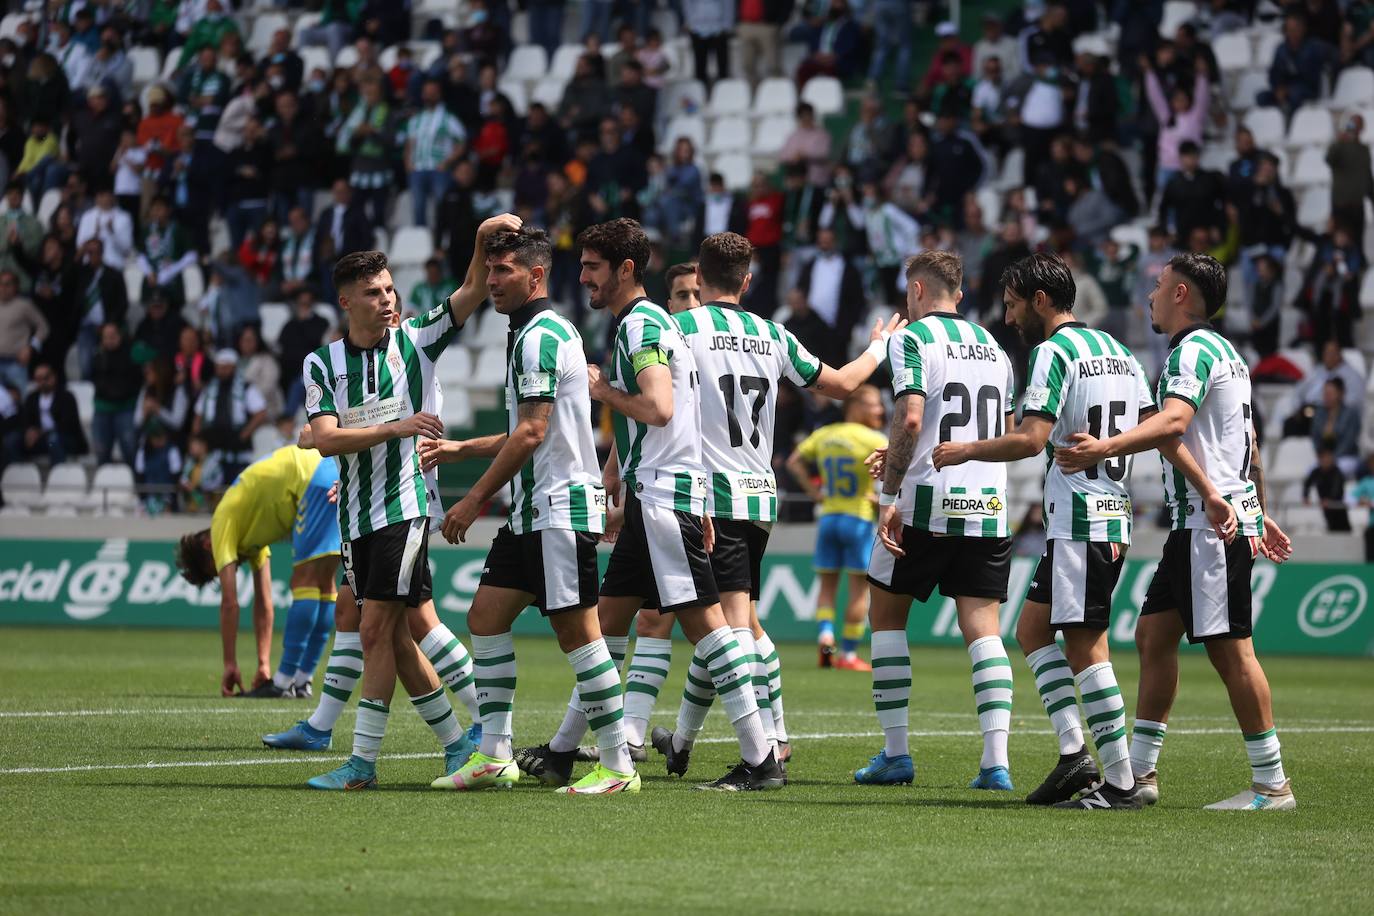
(1354, 87)
(266, 440)
(1311, 126)
(169, 66)
(687, 97)
(1310, 169)
(67, 485)
(689, 126)
(549, 93)
(274, 316)
(825, 94)
(1267, 41)
(1146, 482)
(490, 371)
(1013, 170)
(1367, 291)
(113, 488)
(303, 22)
(427, 8)
(793, 53)
(315, 58)
(1248, 87)
(1233, 52)
(1315, 209)
(528, 64)
(264, 26)
(489, 332)
(9, 510)
(22, 485)
(379, 239)
(147, 64)
(456, 411)
(52, 199)
(133, 282)
(990, 202)
(1176, 12)
(728, 135)
(1303, 520)
(728, 97)
(565, 61)
(454, 368)
(1266, 124)
(736, 168)
(193, 282)
(772, 132)
(84, 393)
(347, 57)
(775, 96)
(514, 90)
(1218, 157)
(1292, 459)
(412, 245)
(9, 26)
(1356, 358)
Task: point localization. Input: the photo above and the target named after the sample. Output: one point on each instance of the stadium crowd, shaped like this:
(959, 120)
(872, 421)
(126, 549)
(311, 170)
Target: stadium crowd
(168, 168)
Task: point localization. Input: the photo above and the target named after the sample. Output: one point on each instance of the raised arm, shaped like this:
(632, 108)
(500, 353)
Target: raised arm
(841, 383)
(463, 301)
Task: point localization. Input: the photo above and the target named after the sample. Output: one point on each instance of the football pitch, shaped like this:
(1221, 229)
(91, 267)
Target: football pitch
(126, 786)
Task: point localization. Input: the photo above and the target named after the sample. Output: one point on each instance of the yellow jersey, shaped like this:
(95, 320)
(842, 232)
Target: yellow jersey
(259, 508)
(838, 452)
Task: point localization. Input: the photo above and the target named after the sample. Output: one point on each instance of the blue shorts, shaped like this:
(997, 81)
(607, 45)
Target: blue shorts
(843, 542)
(316, 530)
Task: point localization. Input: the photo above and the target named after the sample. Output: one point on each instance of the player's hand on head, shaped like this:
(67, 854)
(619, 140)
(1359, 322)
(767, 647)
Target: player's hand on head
(505, 222)
(1084, 452)
(875, 462)
(231, 682)
(1275, 545)
(890, 530)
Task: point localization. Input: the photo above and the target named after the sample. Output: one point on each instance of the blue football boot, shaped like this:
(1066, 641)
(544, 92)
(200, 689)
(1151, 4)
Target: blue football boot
(995, 778)
(299, 737)
(356, 773)
(883, 770)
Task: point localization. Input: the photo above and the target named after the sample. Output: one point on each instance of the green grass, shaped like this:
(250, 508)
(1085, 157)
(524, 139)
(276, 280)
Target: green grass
(233, 837)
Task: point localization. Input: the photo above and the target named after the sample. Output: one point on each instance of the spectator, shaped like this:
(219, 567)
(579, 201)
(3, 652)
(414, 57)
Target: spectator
(1295, 76)
(367, 138)
(566, 214)
(629, 46)
(302, 335)
(972, 243)
(50, 420)
(613, 176)
(833, 287)
(23, 329)
(1180, 118)
(1096, 101)
(164, 253)
(1090, 302)
(1113, 266)
(892, 236)
(117, 380)
(996, 44)
(460, 96)
(282, 67)
(869, 139)
(20, 236)
(1048, 39)
(1357, 37)
(162, 400)
(434, 141)
(952, 93)
(109, 66)
(54, 293)
(212, 24)
(229, 411)
(102, 297)
(758, 32)
(1091, 214)
(892, 37)
(634, 93)
(586, 99)
(1310, 391)
(1009, 248)
(130, 163)
(801, 207)
(1266, 215)
(41, 168)
(720, 210)
(809, 143)
(298, 255)
(457, 218)
(297, 149)
(685, 196)
(160, 328)
(157, 467)
(543, 130)
(1331, 289)
(835, 43)
(596, 19)
(191, 364)
(1038, 96)
(1328, 481)
(957, 163)
(71, 55)
(260, 255)
(342, 227)
(987, 116)
(260, 369)
(1336, 426)
(952, 60)
(1265, 305)
(432, 291)
(202, 477)
(93, 137)
(1102, 166)
(840, 212)
(493, 144)
(230, 301)
(337, 24)
(709, 23)
(811, 330)
(654, 59)
(637, 136)
(1241, 173)
(1351, 180)
(111, 226)
(905, 181)
(764, 231)
(1193, 197)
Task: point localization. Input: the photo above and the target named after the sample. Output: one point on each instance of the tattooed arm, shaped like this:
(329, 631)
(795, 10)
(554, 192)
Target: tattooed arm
(901, 445)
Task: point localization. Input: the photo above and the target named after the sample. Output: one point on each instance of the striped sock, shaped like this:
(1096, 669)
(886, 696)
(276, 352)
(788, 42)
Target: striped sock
(774, 668)
(697, 696)
(437, 712)
(495, 681)
(728, 663)
(643, 680)
(892, 688)
(369, 729)
(574, 724)
(853, 634)
(1147, 738)
(758, 679)
(1265, 760)
(1106, 713)
(598, 688)
(992, 695)
(300, 622)
(825, 623)
(1054, 680)
(453, 664)
(340, 677)
(319, 638)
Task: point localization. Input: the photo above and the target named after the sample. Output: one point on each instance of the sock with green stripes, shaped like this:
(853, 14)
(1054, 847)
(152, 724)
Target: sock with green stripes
(1265, 760)
(774, 668)
(437, 711)
(1147, 739)
(1106, 713)
(494, 657)
(758, 679)
(453, 664)
(992, 696)
(319, 638)
(369, 729)
(341, 675)
(574, 724)
(643, 680)
(728, 663)
(697, 696)
(598, 687)
(853, 634)
(1054, 680)
(892, 688)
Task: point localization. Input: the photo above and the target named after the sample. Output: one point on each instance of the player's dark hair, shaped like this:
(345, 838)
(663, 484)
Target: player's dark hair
(1205, 276)
(194, 558)
(618, 241)
(942, 269)
(678, 270)
(358, 266)
(1045, 272)
(1338, 382)
(724, 261)
(527, 245)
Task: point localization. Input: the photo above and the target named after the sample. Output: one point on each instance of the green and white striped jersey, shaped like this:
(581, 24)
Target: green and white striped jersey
(740, 359)
(1085, 381)
(1207, 373)
(661, 465)
(968, 386)
(391, 381)
(560, 486)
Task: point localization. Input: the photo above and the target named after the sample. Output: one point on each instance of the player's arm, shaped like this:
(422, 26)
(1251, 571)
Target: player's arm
(1219, 511)
(1026, 440)
(463, 301)
(332, 439)
(1275, 545)
(841, 383)
(531, 426)
(901, 446)
(801, 470)
(1154, 432)
(446, 451)
(262, 620)
(229, 629)
(653, 405)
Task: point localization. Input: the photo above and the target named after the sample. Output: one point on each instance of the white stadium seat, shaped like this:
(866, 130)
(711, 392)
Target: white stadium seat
(1266, 43)
(729, 97)
(490, 371)
(1315, 209)
(736, 168)
(528, 63)
(265, 25)
(274, 316)
(565, 61)
(456, 411)
(67, 485)
(515, 92)
(412, 245)
(687, 97)
(772, 132)
(1303, 520)
(22, 485)
(729, 135)
(347, 57)
(825, 94)
(1354, 87)
(1248, 87)
(9, 26)
(549, 93)
(1147, 481)
(1233, 52)
(315, 58)
(1312, 126)
(454, 368)
(689, 126)
(1292, 459)
(113, 487)
(1176, 12)
(1310, 169)
(84, 393)
(775, 96)
(147, 64)
(303, 22)
(1266, 124)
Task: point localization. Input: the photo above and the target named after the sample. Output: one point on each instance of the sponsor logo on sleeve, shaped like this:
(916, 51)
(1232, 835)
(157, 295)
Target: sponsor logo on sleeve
(903, 379)
(535, 384)
(1035, 398)
(1185, 386)
(313, 395)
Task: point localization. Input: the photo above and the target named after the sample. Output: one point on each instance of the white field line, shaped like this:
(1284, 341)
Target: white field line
(821, 736)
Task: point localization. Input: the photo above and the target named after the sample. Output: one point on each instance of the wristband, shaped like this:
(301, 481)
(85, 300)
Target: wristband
(887, 499)
(878, 349)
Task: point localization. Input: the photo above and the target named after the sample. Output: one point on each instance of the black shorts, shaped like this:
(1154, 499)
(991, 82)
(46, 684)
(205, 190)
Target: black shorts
(1076, 579)
(1207, 581)
(962, 567)
(737, 559)
(660, 557)
(390, 564)
(556, 566)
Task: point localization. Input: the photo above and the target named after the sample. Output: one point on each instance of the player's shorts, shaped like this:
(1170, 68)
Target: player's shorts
(315, 533)
(391, 564)
(1076, 579)
(661, 558)
(843, 542)
(737, 559)
(961, 567)
(1207, 581)
(556, 566)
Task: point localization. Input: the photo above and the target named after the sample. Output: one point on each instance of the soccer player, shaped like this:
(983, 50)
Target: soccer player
(282, 495)
(1080, 380)
(546, 554)
(660, 555)
(1202, 585)
(844, 535)
(365, 399)
(941, 528)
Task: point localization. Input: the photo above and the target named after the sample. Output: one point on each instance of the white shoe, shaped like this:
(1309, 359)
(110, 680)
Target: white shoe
(1148, 787)
(1260, 798)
